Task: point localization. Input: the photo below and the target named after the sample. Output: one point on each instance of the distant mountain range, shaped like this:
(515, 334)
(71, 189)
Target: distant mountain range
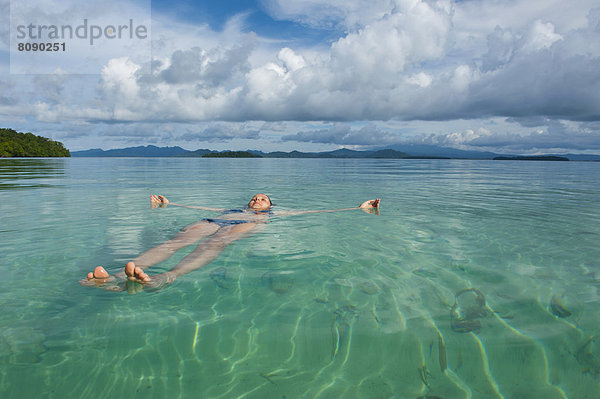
(392, 152)
(147, 151)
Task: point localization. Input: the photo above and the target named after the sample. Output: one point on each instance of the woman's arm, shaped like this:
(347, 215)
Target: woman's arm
(162, 201)
(371, 206)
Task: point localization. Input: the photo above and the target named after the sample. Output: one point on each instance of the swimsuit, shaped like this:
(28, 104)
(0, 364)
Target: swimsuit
(231, 222)
(226, 222)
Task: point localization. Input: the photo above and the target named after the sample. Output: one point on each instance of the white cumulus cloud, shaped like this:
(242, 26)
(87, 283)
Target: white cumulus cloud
(393, 60)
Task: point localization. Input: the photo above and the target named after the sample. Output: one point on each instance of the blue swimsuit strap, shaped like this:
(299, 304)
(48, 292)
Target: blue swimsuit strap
(226, 222)
(233, 211)
(268, 211)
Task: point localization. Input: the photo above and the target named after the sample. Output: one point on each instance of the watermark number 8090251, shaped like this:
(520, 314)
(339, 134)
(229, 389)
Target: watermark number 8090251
(49, 46)
(78, 37)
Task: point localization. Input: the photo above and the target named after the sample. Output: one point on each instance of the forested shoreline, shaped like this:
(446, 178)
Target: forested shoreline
(16, 144)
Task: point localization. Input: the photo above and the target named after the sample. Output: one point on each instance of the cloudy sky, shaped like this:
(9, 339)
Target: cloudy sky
(509, 76)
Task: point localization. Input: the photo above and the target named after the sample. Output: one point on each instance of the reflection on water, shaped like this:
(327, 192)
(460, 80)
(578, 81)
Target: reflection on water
(18, 173)
(478, 280)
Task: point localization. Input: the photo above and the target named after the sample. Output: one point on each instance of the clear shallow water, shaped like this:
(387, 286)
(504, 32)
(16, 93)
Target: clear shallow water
(478, 280)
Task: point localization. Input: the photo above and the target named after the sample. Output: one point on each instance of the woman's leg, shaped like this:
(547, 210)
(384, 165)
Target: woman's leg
(207, 251)
(189, 235)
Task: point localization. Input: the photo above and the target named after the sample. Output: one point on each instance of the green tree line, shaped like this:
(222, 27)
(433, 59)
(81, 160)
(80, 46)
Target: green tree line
(15, 144)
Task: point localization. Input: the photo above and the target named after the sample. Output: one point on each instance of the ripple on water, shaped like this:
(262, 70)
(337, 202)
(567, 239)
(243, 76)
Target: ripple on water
(475, 277)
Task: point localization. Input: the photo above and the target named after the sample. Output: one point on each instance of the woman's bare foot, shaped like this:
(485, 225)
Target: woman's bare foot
(135, 273)
(100, 278)
(98, 273)
(133, 279)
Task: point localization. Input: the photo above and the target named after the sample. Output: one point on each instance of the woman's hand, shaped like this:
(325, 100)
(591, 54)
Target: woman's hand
(158, 200)
(371, 206)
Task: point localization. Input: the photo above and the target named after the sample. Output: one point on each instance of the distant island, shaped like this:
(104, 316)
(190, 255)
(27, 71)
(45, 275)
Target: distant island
(532, 158)
(399, 151)
(153, 151)
(16, 144)
(231, 154)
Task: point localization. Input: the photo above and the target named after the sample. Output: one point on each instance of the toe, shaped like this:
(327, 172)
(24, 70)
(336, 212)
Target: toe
(99, 272)
(130, 269)
(139, 273)
(144, 277)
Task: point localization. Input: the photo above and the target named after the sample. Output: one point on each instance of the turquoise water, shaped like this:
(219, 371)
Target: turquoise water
(479, 279)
